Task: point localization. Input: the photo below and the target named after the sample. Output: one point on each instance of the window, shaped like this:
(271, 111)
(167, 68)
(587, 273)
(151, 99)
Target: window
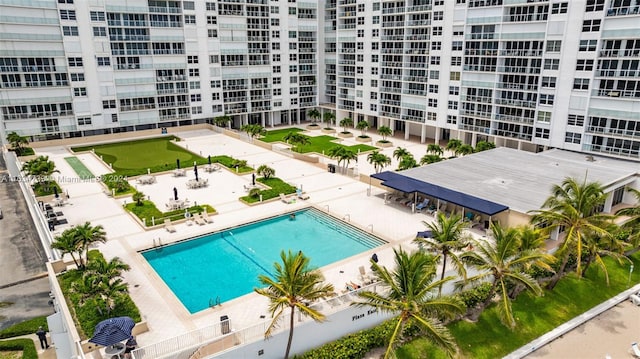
(293, 79)
(546, 99)
(97, 16)
(374, 83)
(84, 121)
(275, 10)
(454, 90)
(70, 30)
(293, 34)
(376, 19)
(107, 104)
(212, 20)
(452, 105)
(551, 64)
(584, 65)
(192, 59)
(275, 58)
(376, 6)
(580, 84)
(553, 45)
(196, 110)
(103, 61)
(196, 97)
(591, 25)
(293, 46)
(189, 19)
(374, 58)
(374, 70)
(99, 31)
(65, 1)
(432, 102)
(293, 11)
(373, 96)
(588, 45)
(544, 116)
(194, 85)
(293, 68)
(559, 8)
(435, 75)
(575, 120)
(542, 133)
(212, 32)
(436, 45)
(77, 77)
(277, 80)
(360, 7)
(436, 31)
(454, 76)
(276, 69)
(360, 32)
(68, 15)
(456, 45)
(75, 61)
(275, 46)
(215, 96)
(293, 90)
(594, 5)
(572, 137)
(114, 117)
(214, 59)
(433, 88)
(275, 34)
(188, 5)
(277, 92)
(375, 45)
(275, 22)
(435, 60)
(456, 60)
(360, 82)
(79, 91)
(293, 57)
(548, 81)
(438, 15)
(452, 119)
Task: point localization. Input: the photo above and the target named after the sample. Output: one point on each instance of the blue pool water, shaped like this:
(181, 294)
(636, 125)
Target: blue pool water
(226, 264)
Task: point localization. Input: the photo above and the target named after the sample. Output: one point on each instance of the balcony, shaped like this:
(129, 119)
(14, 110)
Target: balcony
(614, 93)
(623, 11)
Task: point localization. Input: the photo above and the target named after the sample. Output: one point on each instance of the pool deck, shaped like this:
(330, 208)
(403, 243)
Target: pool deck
(342, 196)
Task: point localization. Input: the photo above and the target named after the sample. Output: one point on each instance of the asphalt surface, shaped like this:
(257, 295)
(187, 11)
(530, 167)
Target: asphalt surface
(23, 280)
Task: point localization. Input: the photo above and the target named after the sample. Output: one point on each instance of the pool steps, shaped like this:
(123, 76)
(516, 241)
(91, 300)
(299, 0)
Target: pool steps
(345, 229)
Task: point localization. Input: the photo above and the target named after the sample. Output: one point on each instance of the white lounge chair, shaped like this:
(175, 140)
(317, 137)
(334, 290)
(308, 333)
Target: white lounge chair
(284, 199)
(364, 277)
(205, 217)
(197, 218)
(168, 226)
(635, 349)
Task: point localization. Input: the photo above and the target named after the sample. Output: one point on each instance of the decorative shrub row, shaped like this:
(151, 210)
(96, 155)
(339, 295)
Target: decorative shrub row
(27, 347)
(149, 210)
(276, 185)
(23, 328)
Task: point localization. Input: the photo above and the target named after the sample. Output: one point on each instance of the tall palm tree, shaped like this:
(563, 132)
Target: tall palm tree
(314, 114)
(253, 130)
(633, 223)
(107, 270)
(363, 126)
(86, 235)
(266, 171)
(328, 118)
(41, 168)
(408, 291)
(17, 142)
(484, 145)
(384, 131)
(464, 150)
(222, 121)
(501, 262)
(435, 149)
(429, 159)
(343, 155)
(294, 285)
(574, 207)
(453, 145)
(447, 237)
(378, 160)
(67, 243)
(346, 122)
(610, 244)
(406, 162)
(400, 152)
(107, 278)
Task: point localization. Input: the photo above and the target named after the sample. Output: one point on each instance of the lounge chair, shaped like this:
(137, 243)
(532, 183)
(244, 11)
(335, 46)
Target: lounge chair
(284, 199)
(635, 349)
(364, 277)
(205, 217)
(420, 206)
(168, 226)
(197, 218)
(302, 195)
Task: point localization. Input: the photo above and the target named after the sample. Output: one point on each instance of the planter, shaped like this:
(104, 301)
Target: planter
(384, 144)
(328, 130)
(313, 127)
(363, 139)
(345, 134)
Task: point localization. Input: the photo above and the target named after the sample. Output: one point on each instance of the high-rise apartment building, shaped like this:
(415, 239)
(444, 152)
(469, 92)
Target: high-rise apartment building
(527, 74)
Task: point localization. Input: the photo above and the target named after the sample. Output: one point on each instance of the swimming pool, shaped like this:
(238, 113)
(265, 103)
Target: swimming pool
(225, 265)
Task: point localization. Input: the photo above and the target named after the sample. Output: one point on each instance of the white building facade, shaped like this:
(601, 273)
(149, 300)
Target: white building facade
(527, 74)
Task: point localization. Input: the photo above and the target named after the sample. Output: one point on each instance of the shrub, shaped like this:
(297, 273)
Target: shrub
(27, 347)
(276, 185)
(474, 296)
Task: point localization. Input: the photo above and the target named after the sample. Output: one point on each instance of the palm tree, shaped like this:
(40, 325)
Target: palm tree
(67, 243)
(363, 126)
(406, 162)
(86, 235)
(453, 145)
(484, 145)
(429, 159)
(297, 139)
(610, 244)
(138, 197)
(501, 262)
(294, 285)
(633, 223)
(328, 118)
(574, 207)
(314, 115)
(408, 291)
(253, 130)
(17, 142)
(400, 152)
(106, 270)
(384, 131)
(222, 121)
(346, 122)
(342, 154)
(378, 160)
(447, 237)
(435, 149)
(266, 171)
(464, 150)
(42, 169)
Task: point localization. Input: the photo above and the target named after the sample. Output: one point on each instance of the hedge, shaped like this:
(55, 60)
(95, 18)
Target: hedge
(27, 347)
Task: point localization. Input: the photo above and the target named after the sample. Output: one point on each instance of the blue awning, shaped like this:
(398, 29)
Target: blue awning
(408, 185)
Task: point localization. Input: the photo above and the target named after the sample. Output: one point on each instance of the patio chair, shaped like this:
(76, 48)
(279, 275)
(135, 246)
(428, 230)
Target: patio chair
(205, 217)
(284, 199)
(301, 195)
(364, 277)
(168, 226)
(422, 205)
(197, 218)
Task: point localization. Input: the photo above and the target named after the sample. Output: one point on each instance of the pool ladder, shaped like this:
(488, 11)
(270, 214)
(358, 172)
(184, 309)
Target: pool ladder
(213, 303)
(157, 246)
(347, 217)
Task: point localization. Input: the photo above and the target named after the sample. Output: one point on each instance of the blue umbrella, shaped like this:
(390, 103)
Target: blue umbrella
(112, 331)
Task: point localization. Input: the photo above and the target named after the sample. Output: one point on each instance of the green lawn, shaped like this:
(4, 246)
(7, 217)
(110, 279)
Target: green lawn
(81, 170)
(317, 144)
(488, 338)
(159, 154)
